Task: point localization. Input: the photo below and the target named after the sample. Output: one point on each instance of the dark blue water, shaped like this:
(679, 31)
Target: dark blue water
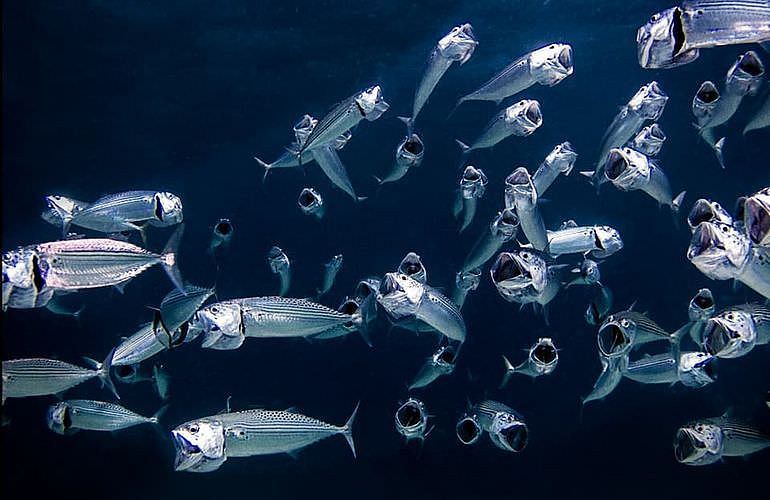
(106, 96)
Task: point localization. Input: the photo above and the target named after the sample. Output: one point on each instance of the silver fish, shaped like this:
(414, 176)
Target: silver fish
(506, 427)
(700, 309)
(329, 161)
(473, 185)
(649, 140)
(204, 444)
(722, 252)
(587, 274)
(735, 332)
(353, 308)
(440, 363)
(694, 369)
(311, 202)
(280, 265)
(520, 192)
(27, 377)
(560, 160)
(542, 359)
(409, 154)
(761, 118)
(599, 308)
(706, 441)
(457, 45)
(625, 330)
(756, 217)
(170, 320)
(598, 241)
(674, 37)
(72, 415)
(705, 103)
(365, 296)
(609, 378)
(707, 211)
(465, 281)
(221, 236)
(468, 429)
(412, 420)
(61, 209)
(412, 266)
(523, 276)
(547, 66)
(331, 269)
(502, 229)
(630, 170)
(520, 119)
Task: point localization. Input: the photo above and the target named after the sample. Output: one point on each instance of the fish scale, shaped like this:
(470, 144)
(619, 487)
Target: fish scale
(40, 376)
(103, 416)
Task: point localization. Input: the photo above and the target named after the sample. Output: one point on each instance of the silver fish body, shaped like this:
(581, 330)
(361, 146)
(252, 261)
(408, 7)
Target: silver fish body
(599, 241)
(473, 185)
(465, 281)
(138, 347)
(735, 331)
(331, 165)
(743, 78)
(623, 331)
(170, 324)
(521, 193)
(411, 419)
(39, 376)
(520, 119)
(649, 140)
(61, 210)
(542, 359)
(523, 276)
(560, 160)
(706, 441)
(409, 154)
(440, 363)
(506, 427)
(761, 118)
(331, 269)
(501, 230)
(630, 170)
(280, 265)
(693, 369)
(756, 217)
(76, 414)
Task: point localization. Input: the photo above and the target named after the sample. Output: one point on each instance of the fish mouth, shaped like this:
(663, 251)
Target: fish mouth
(707, 93)
(704, 300)
(125, 372)
(447, 356)
(757, 218)
(468, 430)
(187, 454)
(717, 338)
(306, 198)
(410, 415)
(509, 217)
(685, 446)
(701, 211)
(751, 65)
(471, 174)
(411, 265)
(656, 132)
(414, 145)
(275, 253)
(616, 164)
(533, 114)
(565, 57)
(515, 437)
(349, 307)
(223, 228)
(544, 353)
(612, 339)
(709, 368)
(389, 284)
(507, 267)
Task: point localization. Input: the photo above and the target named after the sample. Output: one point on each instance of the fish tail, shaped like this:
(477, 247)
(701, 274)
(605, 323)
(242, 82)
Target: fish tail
(265, 166)
(409, 122)
(169, 259)
(464, 147)
(103, 372)
(509, 370)
(155, 418)
(347, 431)
(677, 201)
(379, 181)
(457, 105)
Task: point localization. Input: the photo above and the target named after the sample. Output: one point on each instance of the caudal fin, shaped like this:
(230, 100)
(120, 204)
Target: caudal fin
(677, 202)
(348, 429)
(509, 370)
(168, 259)
(409, 122)
(155, 418)
(265, 166)
(463, 147)
(103, 372)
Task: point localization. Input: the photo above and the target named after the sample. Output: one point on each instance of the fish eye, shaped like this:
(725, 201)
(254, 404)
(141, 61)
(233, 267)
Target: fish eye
(655, 17)
(194, 428)
(552, 47)
(724, 229)
(625, 323)
(215, 310)
(731, 316)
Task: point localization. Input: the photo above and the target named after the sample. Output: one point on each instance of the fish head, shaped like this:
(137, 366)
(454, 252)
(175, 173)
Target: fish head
(371, 104)
(544, 355)
(745, 75)
(23, 268)
(309, 201)
(730, 334)
(168, 209)
(410, 151)
(335, 263)
(277, 260)
(468, 429)
(411, 419)
(222, 318)
(200, 445)
(303, 128)
(705, 102)
(649, 140)
(508, 432)
(524, 117)
(661, 42)
(756, 217)
(718, 250)
(707, 211)
(59, 418)
(589, 271)
(551, 64)
(649, 101)
(626, 168)
(473, 183)
(505, 226)
(458, 44)
(411, 265)
(696, 369)
(468, 280)
(61, 208)
(342, 140)
(698, 443)
(607, 241)
(616, 335)
(562, 157)
(519, 189)
(445, 358)
(366, 288)
(702, 305)
(400, 295)
(223, 229)
(519, 275)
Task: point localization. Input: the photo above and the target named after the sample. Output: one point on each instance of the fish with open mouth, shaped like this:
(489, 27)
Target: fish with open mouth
(468, 429)
(473, 185)
(520, 192)
(707, 441)
(353, 308)
(520, 119)
(735, 331)
(597, 241)
(465, 281)
(412, 420)
(440, 363)
(501, 230)
(68, 417)
(542, 359)
(705, 103)
(365, 295)
(221, 236)
(456, 46)
(311, 202)
(630, 170)
(560, 160)
(598, 309)
(587, 274)
(403, 297)
(673, 37)
(409, 154)
(525, 277)
(506, 427)
(625, 330)
(761, 118)
(649, 140)
(701, 308)
(722, 252)
(204, 444)
(546, 66)
(707, 211)
(280, 265)
(331, 269)
(412, 266)
(609, 378)
(693, 369)
(756, 217)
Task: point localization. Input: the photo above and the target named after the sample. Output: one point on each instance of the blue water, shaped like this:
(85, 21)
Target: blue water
(106, 96)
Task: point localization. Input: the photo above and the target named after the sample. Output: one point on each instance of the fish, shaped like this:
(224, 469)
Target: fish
(546, 66)
(204, 444)
(648, 103)
(735, 331)
(506, 427)
(456, 46)
(327, 158)
(412, 420)
(649, 140)
(761, 118)
(161, 380)
(525, 277)
(560, 160)
(520, 193)
(673, 37)
(27, 377)
(622, 331)
(503, 228)
(226, 324)
(311, 202)
(587, 274)
(331, 269)
(221, 236)
(542, 359)
(127, 211)
(599, 307)
(707, 211)
(368, 104)
(403, 297)
(693, 369)
(705, 103)
(440, 363)
(722, 252)
(409, 154)
(520, 119)
(702, 306)
(597, 241)
(365, 295)
(630, 170)
(67, 417)
(756, 217)
(707, 441)
(465, 281)
(353, 308)
(280, 265)
(61, 209)
(468, 429)
(56, 306)
(473, 185)
(411, 265)
(611, 375)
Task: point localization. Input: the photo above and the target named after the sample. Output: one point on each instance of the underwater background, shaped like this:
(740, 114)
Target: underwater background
(104, 96)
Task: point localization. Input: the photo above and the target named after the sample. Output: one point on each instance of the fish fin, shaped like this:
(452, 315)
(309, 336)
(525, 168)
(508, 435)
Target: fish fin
(677, 202)
(348, 429)
(509, 370)
(168, 259)
(359, 199)
(155, 418)
(409, 122)
(718, 152)
(293, 454)
(103, 372)
(463, 147)
(379, 181)
(292, 409)
(457, 105)
(142, 229)
(121, 287)
(227, 404)
(160, 330)
(587, 173)
(264, 165)
(631, 307)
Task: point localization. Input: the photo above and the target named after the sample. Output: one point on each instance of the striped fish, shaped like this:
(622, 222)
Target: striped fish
(735, 331)
(625, 330)
(70, 416)
(40, 377)
(140, 346)
(204, 444)
(505, 426)
(657, 369)
(708, 440)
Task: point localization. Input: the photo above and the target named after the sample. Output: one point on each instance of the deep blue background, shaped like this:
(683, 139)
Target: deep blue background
(105, 96)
